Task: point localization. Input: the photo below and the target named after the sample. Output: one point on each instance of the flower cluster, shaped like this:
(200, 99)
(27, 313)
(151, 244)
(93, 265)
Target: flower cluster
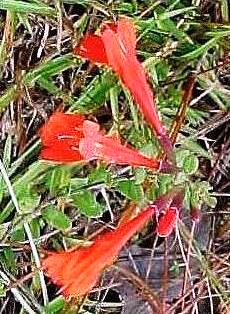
(68, 138)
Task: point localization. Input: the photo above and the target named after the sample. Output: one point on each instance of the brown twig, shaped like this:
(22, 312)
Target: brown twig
(147, 293)
(182, 110)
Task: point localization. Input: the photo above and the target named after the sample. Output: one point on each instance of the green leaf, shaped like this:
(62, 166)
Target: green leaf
(56, 218)
(50, 68)
(200, 50)
(200, 194)
(58, 178)
(55, 306)
(7, 97)
(48, 85)
(35, 227)
(77, 184)
(181, 154)
(25, 7)
(191, 164)
(35, 170)
(81, 2)
(165, 182)
(211, 201)
(95, 94)
(176, 12)
(100, 174)
(162, 69)
(36, 285)
(10, 259)
(26, 156)
(167, 25)
(4, 229)
(125, 7)
(196, 148)
(31, 176)
(129, 189)
(18, 235)
(114, 93)
(140, 175)
(187, 197)
(151, 192)
(87, 204)
(27, 198)
(7, 152)
(133, 108)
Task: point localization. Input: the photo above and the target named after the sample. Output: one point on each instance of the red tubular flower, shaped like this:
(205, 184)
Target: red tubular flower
(78, 270)
(71, 138)
(116, 47)
(167, 222)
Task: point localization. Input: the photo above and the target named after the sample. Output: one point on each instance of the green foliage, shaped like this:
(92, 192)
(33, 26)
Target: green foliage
(191, 164)
(100, 174)
(35, 227)
(95, 93)
(130, 189)
(200, 194)
(18, 235)
(86, 202)
(172, 41)
(56, 218)
(187, 161)
(194, 147)
(55, 306)
(8, 259)
(58, 180)
(27, 199)
(25, 7)
(2, 290)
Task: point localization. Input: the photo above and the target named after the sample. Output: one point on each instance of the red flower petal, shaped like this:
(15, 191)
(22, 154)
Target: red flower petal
(61, 125)
(117, 59)
(63, 154)
(111, 150)
(127, 35)
(61, 136)
(167, 222)
(92, 47)
(95, 145)
(135, 79)
(87, 146)
(77, 271)
(72, 270)
(120, 50)
(125, 32)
